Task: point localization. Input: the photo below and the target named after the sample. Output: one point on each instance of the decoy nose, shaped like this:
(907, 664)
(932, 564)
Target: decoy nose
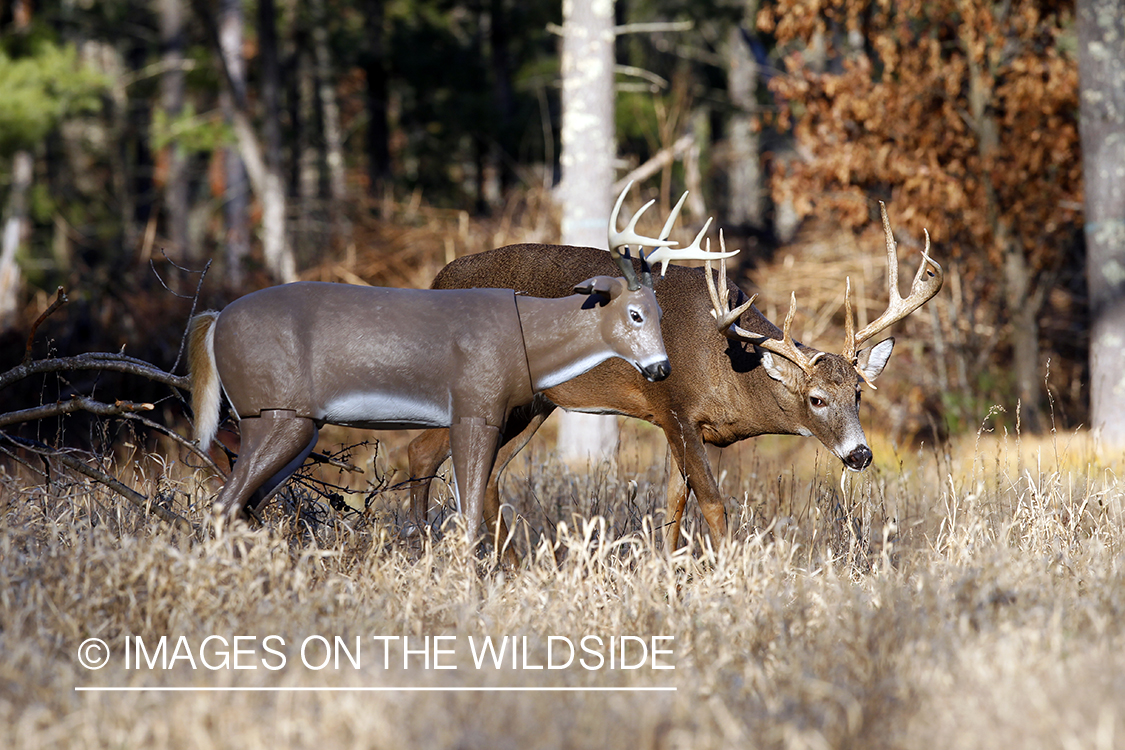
(657, 371)
(859, 459)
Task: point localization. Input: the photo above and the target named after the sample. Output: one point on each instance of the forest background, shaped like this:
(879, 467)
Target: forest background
(375, 140)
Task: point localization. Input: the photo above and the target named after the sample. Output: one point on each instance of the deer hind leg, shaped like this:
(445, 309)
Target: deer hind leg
(473, 442)
(425, 452)
(274, 445)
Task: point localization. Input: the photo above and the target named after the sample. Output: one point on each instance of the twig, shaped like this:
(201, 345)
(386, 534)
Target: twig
(60, 300)
(320, 458)
(78, 403)
(95, 361)
(136, 498)
(193, 447)
(124, 409)
(194, 298)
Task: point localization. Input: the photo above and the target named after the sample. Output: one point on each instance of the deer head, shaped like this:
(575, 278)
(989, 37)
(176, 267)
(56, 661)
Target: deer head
(825, 389)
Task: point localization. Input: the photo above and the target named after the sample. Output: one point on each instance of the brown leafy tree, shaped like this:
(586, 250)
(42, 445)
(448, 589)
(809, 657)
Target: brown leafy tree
(963, 113)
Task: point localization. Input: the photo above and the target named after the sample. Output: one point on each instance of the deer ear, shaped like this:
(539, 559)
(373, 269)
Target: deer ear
(602, 285)
(782, 370)
(873, 359)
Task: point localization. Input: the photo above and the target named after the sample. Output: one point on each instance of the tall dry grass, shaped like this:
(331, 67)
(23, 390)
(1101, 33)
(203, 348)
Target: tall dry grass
(970, 596)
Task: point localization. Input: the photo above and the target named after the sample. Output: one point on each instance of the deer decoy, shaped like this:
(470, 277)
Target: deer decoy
(292, 358)
(734, 373)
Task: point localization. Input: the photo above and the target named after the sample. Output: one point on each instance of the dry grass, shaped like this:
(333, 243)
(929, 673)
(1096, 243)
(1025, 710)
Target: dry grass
(968, 597)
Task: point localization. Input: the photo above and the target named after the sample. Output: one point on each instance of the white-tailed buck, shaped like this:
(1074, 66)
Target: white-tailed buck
(291, 358)
(734, 373)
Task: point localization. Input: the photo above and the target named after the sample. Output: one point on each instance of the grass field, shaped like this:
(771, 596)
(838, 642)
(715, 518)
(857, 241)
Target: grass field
(967, 596)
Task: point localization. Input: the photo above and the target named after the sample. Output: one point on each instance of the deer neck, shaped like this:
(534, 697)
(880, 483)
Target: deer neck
(562, 340)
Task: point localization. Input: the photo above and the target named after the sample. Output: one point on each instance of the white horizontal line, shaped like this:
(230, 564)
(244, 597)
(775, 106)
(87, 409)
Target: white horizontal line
(373, 689)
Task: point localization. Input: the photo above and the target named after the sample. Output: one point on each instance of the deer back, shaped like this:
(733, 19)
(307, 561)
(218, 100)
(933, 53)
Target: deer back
(718, 388)
(695, 347)
(370, 356)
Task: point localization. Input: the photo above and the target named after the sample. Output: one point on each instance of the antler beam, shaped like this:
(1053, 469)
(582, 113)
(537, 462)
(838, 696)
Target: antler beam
(927, 282)
(664, 252)
(728, 325)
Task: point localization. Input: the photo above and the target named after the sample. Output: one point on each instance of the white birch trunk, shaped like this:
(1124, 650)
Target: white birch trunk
(588, 149)
(1101, 69)
(11, 280)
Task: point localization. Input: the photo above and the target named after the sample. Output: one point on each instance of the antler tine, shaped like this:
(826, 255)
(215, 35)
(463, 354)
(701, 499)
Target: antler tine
(727, 321)
(675, 214)
(630, 236)
(927, 282)
(849, 334)
(725, 318)
(694, 251)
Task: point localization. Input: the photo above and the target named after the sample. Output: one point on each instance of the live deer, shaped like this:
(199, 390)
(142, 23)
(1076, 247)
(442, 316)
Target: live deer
(734, 373)
(292, 358)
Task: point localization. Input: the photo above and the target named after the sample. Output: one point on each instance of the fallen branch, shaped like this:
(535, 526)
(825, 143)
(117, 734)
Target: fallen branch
(143, 503)
(96, 361)
(78, 403)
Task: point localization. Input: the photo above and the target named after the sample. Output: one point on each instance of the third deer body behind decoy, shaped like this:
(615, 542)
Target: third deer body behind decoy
(734, 373)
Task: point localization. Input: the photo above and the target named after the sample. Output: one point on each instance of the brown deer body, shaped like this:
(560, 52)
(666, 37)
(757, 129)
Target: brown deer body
(726, 384)
(292, 358)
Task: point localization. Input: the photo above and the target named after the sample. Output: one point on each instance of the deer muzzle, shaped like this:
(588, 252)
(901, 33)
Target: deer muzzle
(859, 459)
(657, 370)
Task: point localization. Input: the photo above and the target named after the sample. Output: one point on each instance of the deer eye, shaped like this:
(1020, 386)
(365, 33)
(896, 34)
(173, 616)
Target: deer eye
(817, 402)
(636, 316)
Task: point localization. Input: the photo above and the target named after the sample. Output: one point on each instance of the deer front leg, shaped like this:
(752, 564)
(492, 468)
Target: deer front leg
(692, 473)
(274, 445)
(473, 442)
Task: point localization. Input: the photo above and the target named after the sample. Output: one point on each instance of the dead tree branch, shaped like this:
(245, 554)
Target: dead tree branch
(78, 403)
(96, 361)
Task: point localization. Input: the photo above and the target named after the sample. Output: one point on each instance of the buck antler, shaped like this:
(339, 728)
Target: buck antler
(618, 240)
(927, 282)
(663, 253)
(728, 319)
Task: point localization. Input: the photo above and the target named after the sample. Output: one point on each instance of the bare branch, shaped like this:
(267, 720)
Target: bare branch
(78, 403)
(95, 361)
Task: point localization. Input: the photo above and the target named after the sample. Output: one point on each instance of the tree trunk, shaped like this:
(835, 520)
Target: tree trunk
(15, 219)
(587, 175)
(330, 121)
(11, 281)
(1101, 69)
(1020, 298)
(236, 199)
(176, 200)
(306, 165)
(375, 68)
(275, 234)
(744, 166)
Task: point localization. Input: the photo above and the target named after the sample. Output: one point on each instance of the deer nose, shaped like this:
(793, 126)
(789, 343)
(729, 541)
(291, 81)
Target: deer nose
(657, 371)
(859, 459)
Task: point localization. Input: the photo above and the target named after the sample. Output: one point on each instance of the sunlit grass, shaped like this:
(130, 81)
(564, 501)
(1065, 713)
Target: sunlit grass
(967, 595)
